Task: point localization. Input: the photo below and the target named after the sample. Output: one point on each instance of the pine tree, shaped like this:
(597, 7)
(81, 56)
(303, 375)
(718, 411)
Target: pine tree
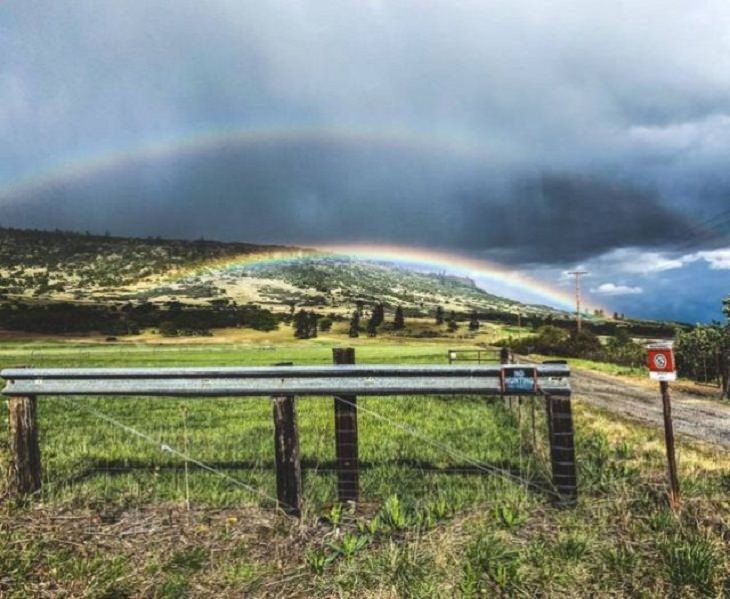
(379, 314)
(372, 327)
(355, 325)
(301, 325)
(292, 307)
(313, 318)
(439, 315)
(399, 322)
(473, 322)
(453, 325)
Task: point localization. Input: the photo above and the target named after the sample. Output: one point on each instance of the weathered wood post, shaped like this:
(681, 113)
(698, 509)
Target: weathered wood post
(25, 454)
(286, 448)
(562, 449)
(348, 476)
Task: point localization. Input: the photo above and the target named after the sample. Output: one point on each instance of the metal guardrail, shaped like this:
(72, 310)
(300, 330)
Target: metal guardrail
(552, 379)
(345, 381)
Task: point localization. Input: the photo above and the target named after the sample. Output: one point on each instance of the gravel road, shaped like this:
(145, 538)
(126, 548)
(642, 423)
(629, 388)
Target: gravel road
(694, 417)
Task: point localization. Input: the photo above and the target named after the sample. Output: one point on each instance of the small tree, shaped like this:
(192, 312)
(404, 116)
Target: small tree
(372, 327)
(301, 325)
(453, 326)
(313, 318)
(399, 322)
(325, 324)
(354, 325)
(379, 314)
(439, 315)
(473, 322)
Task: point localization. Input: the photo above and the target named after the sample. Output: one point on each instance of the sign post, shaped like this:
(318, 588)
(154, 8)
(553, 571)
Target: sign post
(662, 369)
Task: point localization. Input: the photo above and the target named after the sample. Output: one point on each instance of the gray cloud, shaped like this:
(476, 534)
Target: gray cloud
(598, 127)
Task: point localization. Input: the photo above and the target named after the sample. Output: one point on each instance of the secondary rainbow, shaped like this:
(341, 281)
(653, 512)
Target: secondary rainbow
(198, 141)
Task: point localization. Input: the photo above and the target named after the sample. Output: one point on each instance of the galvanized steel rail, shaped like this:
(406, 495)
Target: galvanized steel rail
(289, 380)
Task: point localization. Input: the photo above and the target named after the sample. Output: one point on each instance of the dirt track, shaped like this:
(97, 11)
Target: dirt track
(694, 417)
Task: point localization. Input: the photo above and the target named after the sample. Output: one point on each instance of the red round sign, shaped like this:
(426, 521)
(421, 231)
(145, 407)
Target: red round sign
(661, 359)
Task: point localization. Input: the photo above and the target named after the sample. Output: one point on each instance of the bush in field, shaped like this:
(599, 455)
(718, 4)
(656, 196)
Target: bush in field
(325, 324)
(622, 349)
(558, 341)
(584, 345)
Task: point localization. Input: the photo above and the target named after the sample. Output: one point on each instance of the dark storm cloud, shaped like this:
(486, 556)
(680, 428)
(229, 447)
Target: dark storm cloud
(324, 191)
(564, 218)
(629, 104)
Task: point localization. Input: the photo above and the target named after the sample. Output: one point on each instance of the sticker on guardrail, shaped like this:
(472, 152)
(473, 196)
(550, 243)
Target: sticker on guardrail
(519, 379)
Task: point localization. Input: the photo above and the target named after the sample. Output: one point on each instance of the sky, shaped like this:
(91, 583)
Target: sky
(544, 136)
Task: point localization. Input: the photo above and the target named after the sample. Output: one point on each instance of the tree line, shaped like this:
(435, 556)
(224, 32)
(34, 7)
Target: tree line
(172, 318)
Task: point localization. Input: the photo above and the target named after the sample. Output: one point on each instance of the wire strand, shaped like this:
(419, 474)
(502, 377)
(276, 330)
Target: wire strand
(444, 447)
(166, 448)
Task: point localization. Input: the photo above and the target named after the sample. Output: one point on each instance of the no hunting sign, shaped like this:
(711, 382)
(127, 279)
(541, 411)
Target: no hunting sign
(661, 362)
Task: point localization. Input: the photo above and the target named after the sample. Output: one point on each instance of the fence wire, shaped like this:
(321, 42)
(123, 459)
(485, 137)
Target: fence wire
(523, 479)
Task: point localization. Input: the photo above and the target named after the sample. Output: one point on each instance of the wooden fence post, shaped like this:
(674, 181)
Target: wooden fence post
(286, 445)
(25, 454)
(562, 449)
(504, 358)
(348, 476)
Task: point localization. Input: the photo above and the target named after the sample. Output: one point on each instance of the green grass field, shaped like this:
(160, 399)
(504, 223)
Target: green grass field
(119, 516)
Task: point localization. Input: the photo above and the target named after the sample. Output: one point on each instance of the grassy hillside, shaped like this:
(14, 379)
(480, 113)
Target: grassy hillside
(59, 282)
(72, 266)
(63, 264)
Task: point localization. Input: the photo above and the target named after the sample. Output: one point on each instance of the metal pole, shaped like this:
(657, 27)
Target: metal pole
(669, 442)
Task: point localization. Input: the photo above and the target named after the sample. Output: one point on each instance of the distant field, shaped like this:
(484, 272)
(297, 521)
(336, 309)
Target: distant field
(119, 517)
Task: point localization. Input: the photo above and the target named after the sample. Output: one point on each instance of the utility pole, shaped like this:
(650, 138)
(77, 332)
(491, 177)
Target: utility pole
(577, 274)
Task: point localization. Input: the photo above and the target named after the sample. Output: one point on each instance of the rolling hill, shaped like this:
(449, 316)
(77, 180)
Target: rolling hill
(43, 266)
